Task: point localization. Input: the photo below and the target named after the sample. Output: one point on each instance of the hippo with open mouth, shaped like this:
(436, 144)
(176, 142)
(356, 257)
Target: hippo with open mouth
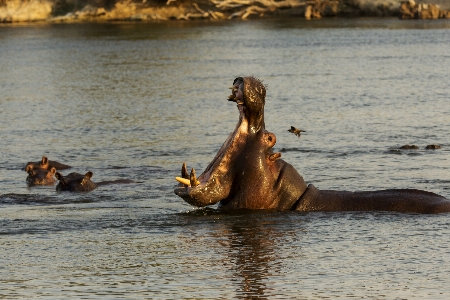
(247, 174)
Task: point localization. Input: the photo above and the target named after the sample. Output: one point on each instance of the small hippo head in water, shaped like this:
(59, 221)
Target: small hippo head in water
(75, 182)
(40, 176)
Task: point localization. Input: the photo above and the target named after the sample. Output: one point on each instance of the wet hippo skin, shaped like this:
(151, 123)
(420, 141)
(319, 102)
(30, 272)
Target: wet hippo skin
(247, 174)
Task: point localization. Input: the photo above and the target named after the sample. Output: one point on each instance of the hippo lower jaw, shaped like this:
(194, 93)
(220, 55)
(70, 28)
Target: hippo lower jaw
(214, 184)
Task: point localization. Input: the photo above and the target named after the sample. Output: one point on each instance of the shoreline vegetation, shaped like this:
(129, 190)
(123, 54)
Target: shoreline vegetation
(69, 11)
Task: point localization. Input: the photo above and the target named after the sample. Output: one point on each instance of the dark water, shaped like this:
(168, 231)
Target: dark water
(136, 100)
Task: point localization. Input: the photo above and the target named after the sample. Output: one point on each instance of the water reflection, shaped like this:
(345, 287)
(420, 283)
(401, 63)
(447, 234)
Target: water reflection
(253, 250)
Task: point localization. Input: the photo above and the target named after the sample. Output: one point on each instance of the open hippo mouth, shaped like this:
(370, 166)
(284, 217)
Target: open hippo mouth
(245, 173)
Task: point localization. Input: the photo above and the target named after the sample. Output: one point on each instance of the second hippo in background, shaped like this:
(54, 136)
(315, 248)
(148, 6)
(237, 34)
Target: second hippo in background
(76, 182)
(46, 164)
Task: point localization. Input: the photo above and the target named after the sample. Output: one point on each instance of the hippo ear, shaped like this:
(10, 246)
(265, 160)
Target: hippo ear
(60, 178)
(52, 172)
(44, 160)
(86, 177)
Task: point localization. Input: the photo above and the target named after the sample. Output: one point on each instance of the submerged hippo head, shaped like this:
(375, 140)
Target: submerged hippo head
(75, 182)
(245, 173)
(43, 164)
(40, 176)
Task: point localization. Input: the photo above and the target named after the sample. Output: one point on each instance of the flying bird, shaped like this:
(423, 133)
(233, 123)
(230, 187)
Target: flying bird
(296, 131)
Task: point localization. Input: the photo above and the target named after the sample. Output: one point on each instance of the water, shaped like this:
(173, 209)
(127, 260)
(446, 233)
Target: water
(136, 100)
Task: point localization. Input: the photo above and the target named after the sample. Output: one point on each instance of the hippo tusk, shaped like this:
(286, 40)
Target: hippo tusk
(193, 179)
(184, 173)
(183, 181)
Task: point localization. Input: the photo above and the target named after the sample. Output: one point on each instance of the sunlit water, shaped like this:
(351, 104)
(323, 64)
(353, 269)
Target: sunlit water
(136, 100)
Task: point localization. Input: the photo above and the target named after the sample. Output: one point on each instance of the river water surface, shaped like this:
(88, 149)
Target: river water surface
(136, 100)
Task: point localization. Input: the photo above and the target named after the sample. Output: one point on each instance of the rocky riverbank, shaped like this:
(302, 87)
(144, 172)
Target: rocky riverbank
(165, 10)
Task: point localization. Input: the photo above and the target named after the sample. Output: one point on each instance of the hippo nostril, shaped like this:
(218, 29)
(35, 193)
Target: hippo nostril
(270, 138)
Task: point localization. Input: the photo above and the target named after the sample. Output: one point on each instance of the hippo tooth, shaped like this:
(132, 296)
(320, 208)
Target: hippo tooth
(184, 173)
(193, 177)
(232, 87)
(240, 103)
(231, 98)
(183, 181)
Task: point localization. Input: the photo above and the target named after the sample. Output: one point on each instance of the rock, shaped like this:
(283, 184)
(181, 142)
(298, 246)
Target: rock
(409, 147)
(411, 10)
(427, 11)
(444, 14)
(408, 9)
